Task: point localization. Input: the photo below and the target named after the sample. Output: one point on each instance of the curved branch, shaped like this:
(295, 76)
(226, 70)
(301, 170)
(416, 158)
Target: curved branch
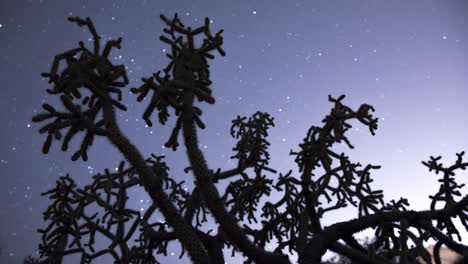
(318, 245)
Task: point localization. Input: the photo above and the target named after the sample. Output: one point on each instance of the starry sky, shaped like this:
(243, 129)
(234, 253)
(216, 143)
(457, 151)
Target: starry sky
(406, 58)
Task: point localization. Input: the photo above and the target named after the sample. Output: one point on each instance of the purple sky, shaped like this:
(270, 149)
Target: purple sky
(406, 58)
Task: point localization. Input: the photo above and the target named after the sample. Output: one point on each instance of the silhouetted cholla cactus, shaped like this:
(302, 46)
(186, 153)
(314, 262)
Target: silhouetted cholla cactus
(292, 223)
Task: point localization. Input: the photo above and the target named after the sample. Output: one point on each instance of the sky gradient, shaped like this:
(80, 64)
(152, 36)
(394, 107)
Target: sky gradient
(406, 58)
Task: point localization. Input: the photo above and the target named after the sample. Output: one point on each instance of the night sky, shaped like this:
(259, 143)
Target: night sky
(407, 58)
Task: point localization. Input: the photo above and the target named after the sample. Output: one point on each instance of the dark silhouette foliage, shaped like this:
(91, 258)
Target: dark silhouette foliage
(292, 222)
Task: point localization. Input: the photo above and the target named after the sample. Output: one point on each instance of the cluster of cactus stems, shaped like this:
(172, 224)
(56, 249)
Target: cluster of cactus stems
(292, 221)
